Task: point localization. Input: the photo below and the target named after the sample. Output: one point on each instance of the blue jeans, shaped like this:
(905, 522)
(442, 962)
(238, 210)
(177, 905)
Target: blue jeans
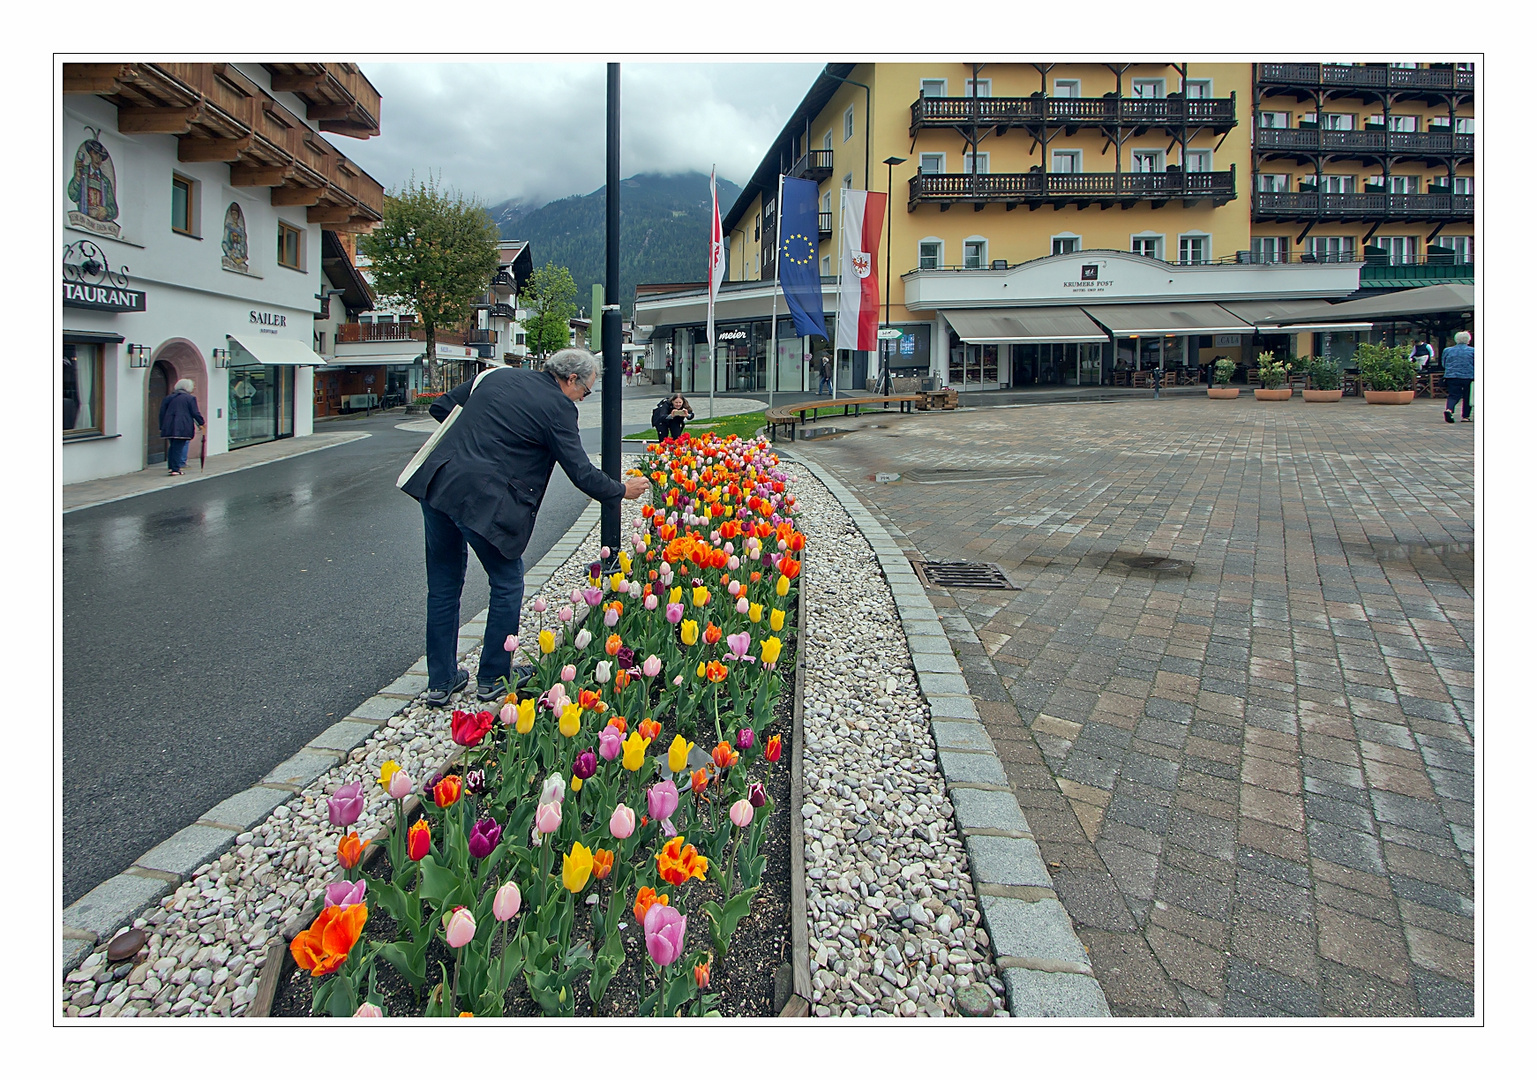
(1460, 389)
(447, 557)
(176, 454)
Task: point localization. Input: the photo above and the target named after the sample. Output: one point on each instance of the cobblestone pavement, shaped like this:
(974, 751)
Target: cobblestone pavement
(1252, 775)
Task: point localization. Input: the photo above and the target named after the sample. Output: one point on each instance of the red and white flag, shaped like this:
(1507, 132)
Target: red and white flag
(858, 282)
(717, 272)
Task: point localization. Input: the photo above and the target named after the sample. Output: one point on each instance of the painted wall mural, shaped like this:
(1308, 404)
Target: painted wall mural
(93, 188)
(235, 249)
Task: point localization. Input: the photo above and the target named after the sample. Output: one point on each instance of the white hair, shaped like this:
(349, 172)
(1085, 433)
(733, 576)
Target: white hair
(184, 384)
(1462, 337)
(569, 362)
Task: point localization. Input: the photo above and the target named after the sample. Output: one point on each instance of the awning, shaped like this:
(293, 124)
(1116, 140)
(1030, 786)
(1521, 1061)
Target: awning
(1263, 315)
(1297, 328)
(1405, 304)
(91, 337)
(1193, 318)
(272, 351)
(1018, 326)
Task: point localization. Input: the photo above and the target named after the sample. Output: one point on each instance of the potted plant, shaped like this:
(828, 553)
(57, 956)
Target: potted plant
(1387, 373)
(1272, 374)
(1323, 380)
(1222, 372)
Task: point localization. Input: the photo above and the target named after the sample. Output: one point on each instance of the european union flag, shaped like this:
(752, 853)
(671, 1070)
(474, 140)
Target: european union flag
(798, 256)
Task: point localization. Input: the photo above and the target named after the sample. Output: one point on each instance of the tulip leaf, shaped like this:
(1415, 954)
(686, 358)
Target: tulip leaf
(606, 964)
(408, 960)
(440, 886)
(724, 917)
(679, 991)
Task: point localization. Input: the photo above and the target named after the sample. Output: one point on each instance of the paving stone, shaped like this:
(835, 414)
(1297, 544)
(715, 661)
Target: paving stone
(1003, 860)
(246, 808)
(999, 810)
(382, 708)
(343, 736)
(300, 769)
(1038, 929)
(187, 849)
(961, 736)
(970, 768)
(408, 684)
(114, 903)
(1043, 993)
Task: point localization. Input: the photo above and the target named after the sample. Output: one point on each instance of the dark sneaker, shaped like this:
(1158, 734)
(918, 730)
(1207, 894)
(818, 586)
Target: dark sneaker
(490, 692)
(1448, 415)
(521, 674)
(439, 697)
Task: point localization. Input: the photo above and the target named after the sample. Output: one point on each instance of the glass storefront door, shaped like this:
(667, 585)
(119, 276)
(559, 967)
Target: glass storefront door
(261, 403)
(1089, 363)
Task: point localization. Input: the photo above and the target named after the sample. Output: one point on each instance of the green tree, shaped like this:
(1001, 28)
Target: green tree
(551, 295)
(435, 252)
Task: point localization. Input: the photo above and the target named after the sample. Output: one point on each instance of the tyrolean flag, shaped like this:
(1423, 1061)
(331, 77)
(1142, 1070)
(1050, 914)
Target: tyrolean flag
(858, 282)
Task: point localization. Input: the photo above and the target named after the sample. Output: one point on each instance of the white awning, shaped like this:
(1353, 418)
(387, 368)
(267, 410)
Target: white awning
(1296, 328)
(1019, 326)
(1148, 319)
(272, 351)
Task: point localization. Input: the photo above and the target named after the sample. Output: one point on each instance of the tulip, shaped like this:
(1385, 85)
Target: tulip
(616, 582)
(344, 894)
(387, 770)
(689, 631)
(723, 756)
(702, 975)
(368, 1011)
(323, 947)
(613, 645)
(555, 698)
(346, 804)
(741, 605)
(648, 728)
(676, 595)
(541, 605)
(571, 720)
(586, 764)
(771, 750)
(565, 613)
(460, 928)
(418, 840)
(547, 817)
(699, 781)
(622, 822)
(677, 754)
(576, 782)
(744, 739)
(662, 800)
(526, 715)
(602, 863)
(756, 795)
(511, 644)
(735, 586)
(576, 868)
(652, 667)
(712, 633)
(592, 595)
(677, 862)
(701, 596)
(475, 781)
(603, 672)
(674, 613)
(739, 644)
(400, 784)
(611, 618)
(776, 620)
(446, 791)
(741, 813)
(618, 723)
(546, 642)
(624, 557)
(610, 743)
(583, 638)
(715, 671)
(568, 673)
(576, 596)
(651, 602)
(554, 789)
(469, 728)
(645, 897)
(507, 902)
(508, 714)
(665, 929)
(605, 553)
(484, 836)
(635, 751)
(770, 651)
(782, 586)
(755, 612)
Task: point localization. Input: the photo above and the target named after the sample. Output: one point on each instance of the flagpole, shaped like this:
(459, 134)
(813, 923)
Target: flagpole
(843, 215)
(772, 370)
(709, 332)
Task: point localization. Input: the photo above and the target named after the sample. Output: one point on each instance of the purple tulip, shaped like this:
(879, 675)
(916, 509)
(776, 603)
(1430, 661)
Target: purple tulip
(475, 781)
(665, 928)
(346, 805)
(610, 743)
(744, 739)
(674, 613)
(593, 595)
(596, 569)
(756, 795)
(662, 800)
(586, 764)
(625, 658)
(484, 837)
(344, 894)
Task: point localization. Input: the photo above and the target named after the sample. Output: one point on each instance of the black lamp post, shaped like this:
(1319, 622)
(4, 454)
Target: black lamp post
(885, 349)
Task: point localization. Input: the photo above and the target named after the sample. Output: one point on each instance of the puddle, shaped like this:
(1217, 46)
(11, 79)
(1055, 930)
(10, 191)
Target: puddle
(969, 476)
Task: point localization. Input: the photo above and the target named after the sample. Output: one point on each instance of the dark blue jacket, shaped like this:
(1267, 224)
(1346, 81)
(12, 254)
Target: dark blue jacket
(1458, 362)
(490, 471)
(178, 415)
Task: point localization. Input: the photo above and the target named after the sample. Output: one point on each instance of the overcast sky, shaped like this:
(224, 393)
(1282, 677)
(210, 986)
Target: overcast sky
(536, 131)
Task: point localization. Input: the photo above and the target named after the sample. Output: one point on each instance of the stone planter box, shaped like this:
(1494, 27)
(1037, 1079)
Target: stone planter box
(1226, 393)
(1388, 397)
(1322, 395)
(1280, 393)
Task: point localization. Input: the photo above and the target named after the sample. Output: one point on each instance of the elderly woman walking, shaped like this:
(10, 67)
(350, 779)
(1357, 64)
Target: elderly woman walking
(179, 421)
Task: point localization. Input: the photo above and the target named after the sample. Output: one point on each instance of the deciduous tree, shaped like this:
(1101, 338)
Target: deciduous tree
(551, 295)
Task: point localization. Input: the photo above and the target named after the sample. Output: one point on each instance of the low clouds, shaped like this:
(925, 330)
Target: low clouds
(536, 131)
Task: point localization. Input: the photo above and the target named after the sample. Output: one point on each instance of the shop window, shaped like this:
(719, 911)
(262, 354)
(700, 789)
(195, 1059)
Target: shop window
(183, 205)
(290, 246)
(82, 388)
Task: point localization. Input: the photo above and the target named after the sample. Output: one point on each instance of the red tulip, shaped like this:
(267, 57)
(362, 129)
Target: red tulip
(418, 840)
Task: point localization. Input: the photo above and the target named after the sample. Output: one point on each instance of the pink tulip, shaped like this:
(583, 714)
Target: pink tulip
(674, 613)
(665, 927)
(568, 673)
(460, 928)
(735, 586)
(741, 813)
(733, 563)
(346, 804)
(729, 548)
(622, 823)
(541, 605)
(576, 596)
(662, 800)
(400, 784)
(611, 618)
(604, 551)
(739, 644)
(509, 713)
(368, 1011)
(652, 667)
(554, 790)
(651, 602)
(511, 644)
(344, 894)
(592, 595)
(565, 613)
(610, 743)
(741, 604)
(507, 902)
(677, 680)
(547, 817)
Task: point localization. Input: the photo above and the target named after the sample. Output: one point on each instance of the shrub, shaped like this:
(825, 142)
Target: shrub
(1323, 373)
(1385, 367)
(1224, 370)
(1272, 372)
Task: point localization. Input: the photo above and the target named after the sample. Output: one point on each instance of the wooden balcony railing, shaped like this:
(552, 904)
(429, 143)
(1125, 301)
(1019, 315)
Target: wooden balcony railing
(1305, 204)
(813, 165)
(1315, 141)
(824, 226)
(1070, 187)
(349, 333)
(1368, 78)
(1108, 111)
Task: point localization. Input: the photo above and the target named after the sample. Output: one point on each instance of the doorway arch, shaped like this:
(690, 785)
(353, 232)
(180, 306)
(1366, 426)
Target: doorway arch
(175, 360)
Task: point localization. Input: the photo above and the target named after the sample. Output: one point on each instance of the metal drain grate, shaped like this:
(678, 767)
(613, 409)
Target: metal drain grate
(964, 575)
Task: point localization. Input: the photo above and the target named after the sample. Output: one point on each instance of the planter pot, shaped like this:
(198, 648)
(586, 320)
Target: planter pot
(1388, 397)
(1280, 393)
(1322, 395)
(1227, 393)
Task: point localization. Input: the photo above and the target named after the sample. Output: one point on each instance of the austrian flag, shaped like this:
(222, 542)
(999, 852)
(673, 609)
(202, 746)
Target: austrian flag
(858, 282)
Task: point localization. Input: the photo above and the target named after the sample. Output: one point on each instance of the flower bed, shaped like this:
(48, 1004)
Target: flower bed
(593, 783)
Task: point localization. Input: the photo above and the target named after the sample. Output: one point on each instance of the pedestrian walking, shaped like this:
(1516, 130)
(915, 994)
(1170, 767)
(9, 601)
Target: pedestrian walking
(1458, 365)
(826, 385)
(179, 422)
(669, 416)
(481, 488)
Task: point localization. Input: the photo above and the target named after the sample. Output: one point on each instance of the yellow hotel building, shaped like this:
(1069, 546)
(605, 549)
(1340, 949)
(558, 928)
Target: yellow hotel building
(1072, 223)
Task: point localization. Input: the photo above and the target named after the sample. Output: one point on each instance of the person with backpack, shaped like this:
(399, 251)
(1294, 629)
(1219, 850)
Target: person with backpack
(669, 416)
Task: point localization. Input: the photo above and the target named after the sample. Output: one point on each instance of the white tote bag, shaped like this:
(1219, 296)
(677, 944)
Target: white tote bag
(436, 437)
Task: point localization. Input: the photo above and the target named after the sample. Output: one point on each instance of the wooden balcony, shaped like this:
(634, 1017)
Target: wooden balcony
(824, 226)
(1433, 144)
(1311, 205)
(1441, 80)
(813, 165)
(337, 97)
(348, 333)
(1034, 189)
(1002, 113)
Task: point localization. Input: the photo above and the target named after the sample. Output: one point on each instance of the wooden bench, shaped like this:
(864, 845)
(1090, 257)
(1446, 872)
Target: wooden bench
(790, 415)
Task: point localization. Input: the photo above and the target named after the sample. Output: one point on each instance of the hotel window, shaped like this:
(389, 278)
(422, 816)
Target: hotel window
(827, 141)
(1403, 185)
(1064, 245)
(974, 163)
(82, 389)
(1339, 185)
(827, 266)
(1147, 161)
(1275, 182)
(1147, 88)
(848, 180)
(757, 222)
(931, 164)
(1462, 246)
(1151, 246)
(975, 255)
(931, 87)
(1403, 65)
(1198, 161)
(983, 87)
(1403, 123)
(1268, 249)
(827, 202)
(1464, 125)
(1336, 121)
(848, 123)
(1198, 88)
(931, 254)
(1070, 88)
(183, 205)
(1194, 249)
(1308, 118)
(1462, 185)
(290, 241)
(1332, 248)
(1066, 161)
(1274, 119)
(1401, 250)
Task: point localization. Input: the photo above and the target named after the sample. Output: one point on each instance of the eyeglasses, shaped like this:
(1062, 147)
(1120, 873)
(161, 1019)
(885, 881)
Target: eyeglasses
(586, 388)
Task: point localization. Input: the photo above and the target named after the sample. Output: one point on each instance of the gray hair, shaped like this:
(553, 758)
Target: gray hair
(184, 384)
(1462, 337)
(569, 362)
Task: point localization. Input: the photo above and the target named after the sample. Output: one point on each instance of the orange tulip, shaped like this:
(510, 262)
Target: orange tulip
(715, 671)
(699, 781)
(702, 975)
(711, 633)
(618, 722)
(602, 863)
(649, 728)
(323, 948)
(349, 850)
(723, 756)
(621, 678)
(644, 899)
(448, 790)
(612, 645)
(789, 567)
(677, 862)
(589, 699)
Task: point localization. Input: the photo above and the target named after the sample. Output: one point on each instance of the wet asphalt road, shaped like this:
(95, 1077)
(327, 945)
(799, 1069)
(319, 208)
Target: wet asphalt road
(212, 630)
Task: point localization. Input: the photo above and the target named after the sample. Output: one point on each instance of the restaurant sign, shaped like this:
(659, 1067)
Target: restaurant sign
(90, 282)
(102, 297)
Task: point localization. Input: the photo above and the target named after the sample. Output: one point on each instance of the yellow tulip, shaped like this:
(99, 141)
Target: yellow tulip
(570, 719)
(776, 620)
(576, 868)
(690, 631)
(770, 653)
(701, 596)
(782, 586)
(616, 582)
(677, 753)
(676, 594)
(387, 770)
(576, 783)
(700, 670)
(526, 715)
(635, 751)
(624, 561)
(547, 641)
(669, 498)
(755, 612)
